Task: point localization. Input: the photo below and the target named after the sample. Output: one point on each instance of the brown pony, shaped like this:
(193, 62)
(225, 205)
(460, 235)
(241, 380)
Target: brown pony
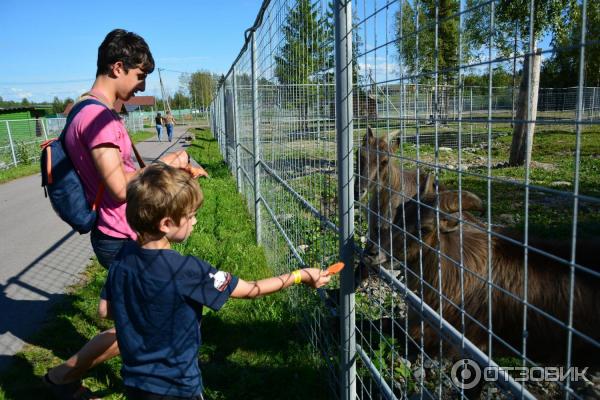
(389, 184)
(432, 244)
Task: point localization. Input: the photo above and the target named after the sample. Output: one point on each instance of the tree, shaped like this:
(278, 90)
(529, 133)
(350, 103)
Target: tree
(179, 100)
(421, 59)
(562, 69)
(57, 106)
(305, 56)
(357, 43)
(512, 19)
(202, 86)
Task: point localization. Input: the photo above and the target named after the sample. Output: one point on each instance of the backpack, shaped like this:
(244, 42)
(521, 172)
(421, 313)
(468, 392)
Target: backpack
(61, 182)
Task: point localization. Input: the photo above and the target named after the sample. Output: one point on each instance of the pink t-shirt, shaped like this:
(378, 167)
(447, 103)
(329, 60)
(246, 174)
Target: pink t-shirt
(94, 126)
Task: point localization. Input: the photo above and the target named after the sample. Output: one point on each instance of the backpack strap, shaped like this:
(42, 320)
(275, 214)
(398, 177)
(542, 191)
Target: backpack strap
(74, 111)
(138, 156)
(102, 100)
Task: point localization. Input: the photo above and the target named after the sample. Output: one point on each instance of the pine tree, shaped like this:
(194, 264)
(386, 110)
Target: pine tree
(304, 58)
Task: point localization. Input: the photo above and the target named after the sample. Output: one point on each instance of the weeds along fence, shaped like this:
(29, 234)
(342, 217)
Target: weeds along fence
(466, 209)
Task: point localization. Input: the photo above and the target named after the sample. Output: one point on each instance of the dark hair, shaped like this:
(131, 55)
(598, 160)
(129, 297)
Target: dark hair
(128, 47)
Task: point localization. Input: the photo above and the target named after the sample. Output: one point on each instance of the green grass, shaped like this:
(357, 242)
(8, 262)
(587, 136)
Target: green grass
(30, 168)
(553, 167)
(251, 348)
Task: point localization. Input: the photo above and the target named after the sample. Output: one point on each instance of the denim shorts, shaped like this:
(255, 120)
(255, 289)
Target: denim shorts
(105, 247)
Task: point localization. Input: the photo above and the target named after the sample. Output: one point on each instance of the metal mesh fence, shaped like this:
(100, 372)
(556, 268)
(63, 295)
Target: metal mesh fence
(20, 139)
(415, 141)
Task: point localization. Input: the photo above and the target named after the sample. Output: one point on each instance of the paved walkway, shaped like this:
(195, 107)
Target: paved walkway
(40, 256)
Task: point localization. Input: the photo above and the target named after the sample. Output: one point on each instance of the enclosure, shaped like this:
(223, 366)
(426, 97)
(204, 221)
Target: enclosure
(449, 153)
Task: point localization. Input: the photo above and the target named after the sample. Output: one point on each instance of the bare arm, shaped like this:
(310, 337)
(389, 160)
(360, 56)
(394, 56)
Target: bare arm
(313, 277)
(180, 159)
(109, 165)
(104, 309)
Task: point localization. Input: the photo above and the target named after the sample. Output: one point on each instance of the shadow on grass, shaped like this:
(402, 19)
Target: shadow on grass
(240, 350)
(57, 340)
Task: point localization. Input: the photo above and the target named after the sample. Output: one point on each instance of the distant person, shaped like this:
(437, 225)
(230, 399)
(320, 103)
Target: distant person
(156, 295)
(159, 121)
(100, 148)
(169, 123)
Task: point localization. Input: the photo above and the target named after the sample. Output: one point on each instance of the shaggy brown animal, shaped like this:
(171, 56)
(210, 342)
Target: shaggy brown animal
(390, 185)
(548, 280)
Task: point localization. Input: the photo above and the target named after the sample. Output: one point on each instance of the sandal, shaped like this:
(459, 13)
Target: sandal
(68, 391)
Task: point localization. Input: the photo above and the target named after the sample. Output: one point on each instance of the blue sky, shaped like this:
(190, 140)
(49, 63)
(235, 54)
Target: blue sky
(49, 48)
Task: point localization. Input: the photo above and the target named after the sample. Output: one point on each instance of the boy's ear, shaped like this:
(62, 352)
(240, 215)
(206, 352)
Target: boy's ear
(117, 68)
(165, 225)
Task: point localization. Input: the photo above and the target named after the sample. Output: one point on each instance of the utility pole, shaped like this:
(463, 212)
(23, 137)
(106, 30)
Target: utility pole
(166, 105)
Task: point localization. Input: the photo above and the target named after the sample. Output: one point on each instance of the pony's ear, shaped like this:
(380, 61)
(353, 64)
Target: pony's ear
(469, 201)
(370, 132)
(370, 136)
(394, 144)
(426, 184)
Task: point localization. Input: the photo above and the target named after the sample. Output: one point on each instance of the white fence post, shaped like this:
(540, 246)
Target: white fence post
(44, 130)
(12, 146)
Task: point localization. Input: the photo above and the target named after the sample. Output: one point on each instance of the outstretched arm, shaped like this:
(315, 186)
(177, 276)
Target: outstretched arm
(313, 277)
(181, 159)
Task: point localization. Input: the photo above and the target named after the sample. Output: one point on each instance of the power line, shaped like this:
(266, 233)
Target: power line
(46, 82)
(172, 70)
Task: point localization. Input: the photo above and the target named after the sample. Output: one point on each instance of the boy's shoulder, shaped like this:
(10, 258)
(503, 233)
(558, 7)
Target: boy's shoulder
(170, 262)
(92, 111)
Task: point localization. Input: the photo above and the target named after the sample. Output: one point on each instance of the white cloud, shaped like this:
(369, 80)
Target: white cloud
(19, 93)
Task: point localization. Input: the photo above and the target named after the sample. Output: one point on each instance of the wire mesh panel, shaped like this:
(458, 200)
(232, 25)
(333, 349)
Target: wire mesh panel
(243, 98)
(294, 62)
(284, 114)
(474, 204)
(476, 136)
(20, 140)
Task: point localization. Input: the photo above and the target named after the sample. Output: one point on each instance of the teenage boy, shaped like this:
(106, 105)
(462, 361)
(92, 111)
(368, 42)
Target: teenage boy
(100, 148)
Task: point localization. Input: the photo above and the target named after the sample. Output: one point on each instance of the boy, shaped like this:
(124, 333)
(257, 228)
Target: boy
(156, 295)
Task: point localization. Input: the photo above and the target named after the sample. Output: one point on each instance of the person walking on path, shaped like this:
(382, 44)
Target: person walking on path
(169, 123)
(151, 287)
(100, 149)
(159, 121)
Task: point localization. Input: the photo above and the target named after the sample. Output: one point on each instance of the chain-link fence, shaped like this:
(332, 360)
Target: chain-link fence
(20, 139)
(412, 140)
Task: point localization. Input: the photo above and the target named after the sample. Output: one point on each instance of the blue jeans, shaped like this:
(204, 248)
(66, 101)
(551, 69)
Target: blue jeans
(105, 247)
(159, 131)
(170, 131)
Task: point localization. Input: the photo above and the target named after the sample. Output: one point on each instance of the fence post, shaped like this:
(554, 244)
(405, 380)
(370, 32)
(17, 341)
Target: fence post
(226, 117)
(12, 146)
(44, 130)
(238, 170)
(256, 145)
(344, 132)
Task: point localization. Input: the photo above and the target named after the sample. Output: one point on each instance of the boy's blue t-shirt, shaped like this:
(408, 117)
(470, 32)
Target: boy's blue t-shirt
(156, 299)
